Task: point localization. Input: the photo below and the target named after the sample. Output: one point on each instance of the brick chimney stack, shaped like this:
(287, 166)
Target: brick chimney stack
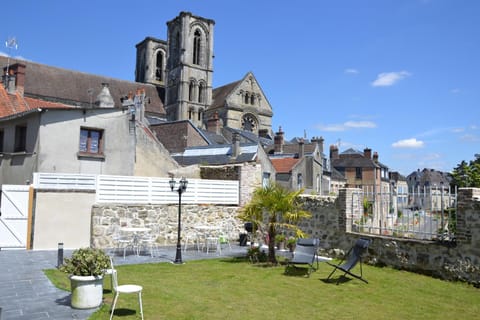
(319, 141)
(278, 141)
(375, 157)
(213, 124)
(367, 153)
(334, 152)
(14, 81)
(301, 148)
(235, 145)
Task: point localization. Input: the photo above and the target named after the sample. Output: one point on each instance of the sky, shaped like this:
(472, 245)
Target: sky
(399, 77)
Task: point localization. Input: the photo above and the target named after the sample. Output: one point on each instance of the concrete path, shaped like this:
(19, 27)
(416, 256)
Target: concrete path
(27, 294)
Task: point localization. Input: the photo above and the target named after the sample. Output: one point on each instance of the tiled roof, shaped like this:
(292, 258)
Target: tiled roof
(73, 87)
(219, 95)
(15, 104)
(284, 165)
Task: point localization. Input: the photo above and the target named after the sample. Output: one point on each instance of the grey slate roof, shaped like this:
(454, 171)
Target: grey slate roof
(72, 87)
(216, 155)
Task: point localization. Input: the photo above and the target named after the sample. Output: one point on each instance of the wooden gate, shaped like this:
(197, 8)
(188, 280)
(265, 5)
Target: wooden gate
(14, 216)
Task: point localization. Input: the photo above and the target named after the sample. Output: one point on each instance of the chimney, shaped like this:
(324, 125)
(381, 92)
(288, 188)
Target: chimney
(263, 133)
(375, 157)
(319, 141)
(367, 153)
(14, 81)
(301, 148)
(235, 145)
(334, 152)
(213, 124)
(278, 141)
(104, 98)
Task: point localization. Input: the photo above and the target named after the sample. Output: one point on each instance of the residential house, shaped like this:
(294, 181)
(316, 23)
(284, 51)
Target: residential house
(363, 170)
(429, 188)
(59, 128)
(298, 164)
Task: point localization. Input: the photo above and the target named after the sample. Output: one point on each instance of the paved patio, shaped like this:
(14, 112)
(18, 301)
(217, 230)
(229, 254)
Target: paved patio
(27, 294)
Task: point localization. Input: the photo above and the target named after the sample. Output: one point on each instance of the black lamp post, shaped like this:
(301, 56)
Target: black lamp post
(181, 189)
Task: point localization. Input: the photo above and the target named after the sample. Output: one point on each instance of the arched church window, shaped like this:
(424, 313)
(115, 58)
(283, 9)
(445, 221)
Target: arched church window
(190, 113)
(247, 98)
(252, 99)
(197, 41)
(200, 115)
(159, 67)
(201, 92)
(191, 91)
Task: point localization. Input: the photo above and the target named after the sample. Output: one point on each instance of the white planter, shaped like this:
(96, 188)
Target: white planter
(87, 291)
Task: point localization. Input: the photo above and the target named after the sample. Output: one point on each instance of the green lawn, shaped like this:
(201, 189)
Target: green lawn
(234, 289)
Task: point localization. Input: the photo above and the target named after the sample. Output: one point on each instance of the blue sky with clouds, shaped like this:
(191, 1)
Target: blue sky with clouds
(399, 77)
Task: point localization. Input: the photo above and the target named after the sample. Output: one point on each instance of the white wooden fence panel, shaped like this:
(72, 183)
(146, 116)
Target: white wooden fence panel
(42, 180)
(130, 189)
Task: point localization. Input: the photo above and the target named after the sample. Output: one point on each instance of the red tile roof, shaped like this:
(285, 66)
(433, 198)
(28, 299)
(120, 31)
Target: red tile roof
(12, 104)
(284, 165)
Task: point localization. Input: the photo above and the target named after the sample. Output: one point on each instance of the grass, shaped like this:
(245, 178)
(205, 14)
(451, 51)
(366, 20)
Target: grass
(235, 289)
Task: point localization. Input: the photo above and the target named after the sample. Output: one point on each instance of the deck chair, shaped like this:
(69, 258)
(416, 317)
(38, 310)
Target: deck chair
(305, 254)
(353, 256)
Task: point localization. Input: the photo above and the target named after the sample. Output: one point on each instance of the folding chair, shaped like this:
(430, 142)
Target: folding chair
(125, 288)
(305, 254)
(353, 256)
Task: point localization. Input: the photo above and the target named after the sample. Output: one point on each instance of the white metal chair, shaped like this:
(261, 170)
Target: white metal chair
(149, 241)
(123, 242)
(193, 239)
(213, 243)
(125, 288)
(224, 238)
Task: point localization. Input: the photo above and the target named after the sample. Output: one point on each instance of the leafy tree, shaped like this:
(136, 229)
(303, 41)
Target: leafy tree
(467, 174)
(273, 209)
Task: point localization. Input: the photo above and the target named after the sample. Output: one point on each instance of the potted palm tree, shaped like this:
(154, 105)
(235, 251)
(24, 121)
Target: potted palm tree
(86, 268)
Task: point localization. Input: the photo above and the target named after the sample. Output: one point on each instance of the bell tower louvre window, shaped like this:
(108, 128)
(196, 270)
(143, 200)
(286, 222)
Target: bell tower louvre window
(159, 67)
(197, 45)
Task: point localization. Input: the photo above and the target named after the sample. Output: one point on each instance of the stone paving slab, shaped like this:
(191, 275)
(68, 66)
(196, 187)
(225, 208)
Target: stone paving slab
(27, 294)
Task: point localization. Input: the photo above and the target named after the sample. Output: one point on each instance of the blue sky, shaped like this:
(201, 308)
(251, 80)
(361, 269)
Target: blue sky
(399, 77)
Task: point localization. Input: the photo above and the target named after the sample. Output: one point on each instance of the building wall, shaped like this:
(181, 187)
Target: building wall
(18, 168)
(62, 217)
(151, 158)
(59, 134)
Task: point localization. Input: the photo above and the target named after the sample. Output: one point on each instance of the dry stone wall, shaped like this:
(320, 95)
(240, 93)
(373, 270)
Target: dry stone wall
(162, 220)
(450, 260)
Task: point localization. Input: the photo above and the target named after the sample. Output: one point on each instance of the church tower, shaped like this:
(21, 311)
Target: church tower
(189, 68)
(151, 61)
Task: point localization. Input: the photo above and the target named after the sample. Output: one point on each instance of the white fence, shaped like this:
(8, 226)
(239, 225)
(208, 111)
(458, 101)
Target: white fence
(129, 189)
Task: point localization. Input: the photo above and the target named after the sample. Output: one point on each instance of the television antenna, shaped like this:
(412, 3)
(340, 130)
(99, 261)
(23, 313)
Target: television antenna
(10, 44)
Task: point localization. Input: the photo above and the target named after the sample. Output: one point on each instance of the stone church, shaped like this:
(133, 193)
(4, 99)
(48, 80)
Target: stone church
(182, 70)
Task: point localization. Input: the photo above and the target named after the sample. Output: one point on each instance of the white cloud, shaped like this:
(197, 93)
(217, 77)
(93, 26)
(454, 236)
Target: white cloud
(408, 143)
(455, 91)
(387, 79)
(470, 138)
(347, 126)
(351, 71)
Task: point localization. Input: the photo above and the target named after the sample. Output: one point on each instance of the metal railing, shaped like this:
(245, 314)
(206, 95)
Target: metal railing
(428, 214)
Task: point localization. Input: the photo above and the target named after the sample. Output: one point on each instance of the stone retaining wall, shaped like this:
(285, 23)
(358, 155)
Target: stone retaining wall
(162, 220)
(458, 260)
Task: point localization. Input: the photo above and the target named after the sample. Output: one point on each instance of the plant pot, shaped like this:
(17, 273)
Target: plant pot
(87, 291)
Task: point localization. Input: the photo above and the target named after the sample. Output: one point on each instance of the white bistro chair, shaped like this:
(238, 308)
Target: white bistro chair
(124, 288)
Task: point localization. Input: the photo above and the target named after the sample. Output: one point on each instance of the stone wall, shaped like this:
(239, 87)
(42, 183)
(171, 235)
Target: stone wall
(450, 260)
(162, 220)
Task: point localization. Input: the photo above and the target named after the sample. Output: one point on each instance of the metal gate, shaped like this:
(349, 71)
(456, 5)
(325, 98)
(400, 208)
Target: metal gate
(14, 216)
